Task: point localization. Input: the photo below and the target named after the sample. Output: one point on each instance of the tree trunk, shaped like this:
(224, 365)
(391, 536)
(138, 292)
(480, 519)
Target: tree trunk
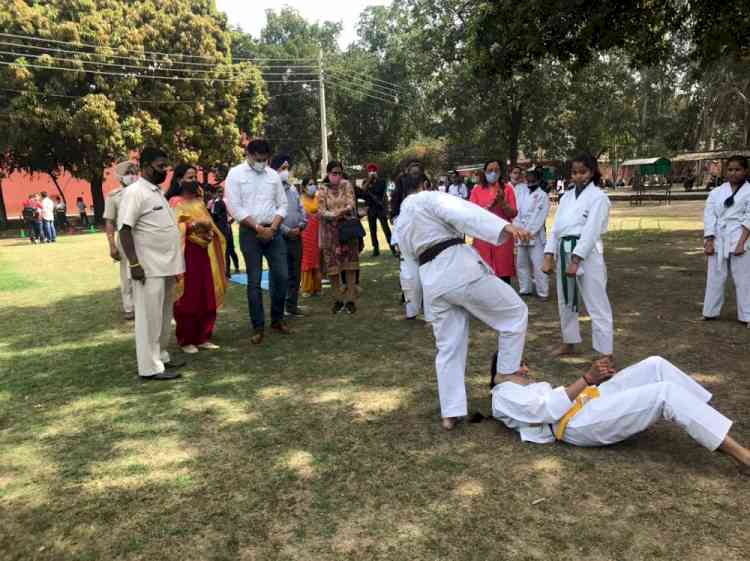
(3, 213)
(59, 189)
(314, 164)
(516, 116)
(97, 195)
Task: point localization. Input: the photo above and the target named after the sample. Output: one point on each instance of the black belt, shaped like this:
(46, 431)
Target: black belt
(249, 228)
(432, 252)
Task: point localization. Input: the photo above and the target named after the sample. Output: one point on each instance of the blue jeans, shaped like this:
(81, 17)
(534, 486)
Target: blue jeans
(38, 230)
(49, 230)
(274, 250)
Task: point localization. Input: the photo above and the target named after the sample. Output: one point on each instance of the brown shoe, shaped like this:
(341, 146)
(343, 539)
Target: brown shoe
(281, 327)
(257, 337)
(449, 423)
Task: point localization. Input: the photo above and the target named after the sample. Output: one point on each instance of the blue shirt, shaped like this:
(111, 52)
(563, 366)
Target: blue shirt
(295, 214)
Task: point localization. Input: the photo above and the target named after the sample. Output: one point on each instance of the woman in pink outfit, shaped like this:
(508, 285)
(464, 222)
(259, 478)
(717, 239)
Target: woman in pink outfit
(497, 196)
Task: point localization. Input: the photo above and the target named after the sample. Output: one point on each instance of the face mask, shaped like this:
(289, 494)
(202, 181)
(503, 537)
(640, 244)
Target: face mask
(311, 190)
(373, 174)
(334, 179)
(491, 177)
(257, 166)
(284, 175)
(129, 179)
(159, 176)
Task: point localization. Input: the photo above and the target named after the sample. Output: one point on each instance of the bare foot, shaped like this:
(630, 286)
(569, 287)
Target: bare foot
(567, 349)
(449, 423)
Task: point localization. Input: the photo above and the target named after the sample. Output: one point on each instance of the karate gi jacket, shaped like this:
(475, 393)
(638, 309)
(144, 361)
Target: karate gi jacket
(586, 217)
(530, 410)
(533, 209)
(725, 224)
(431, 217)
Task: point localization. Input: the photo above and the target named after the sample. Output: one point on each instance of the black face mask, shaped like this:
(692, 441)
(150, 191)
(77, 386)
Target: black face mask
(159, 176)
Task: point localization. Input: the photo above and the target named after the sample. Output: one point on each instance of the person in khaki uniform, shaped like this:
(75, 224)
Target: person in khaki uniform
(150, 239)
(127, 174)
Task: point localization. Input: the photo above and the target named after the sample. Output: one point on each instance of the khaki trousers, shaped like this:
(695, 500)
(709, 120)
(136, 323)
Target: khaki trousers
(153, 300)
(126, 286)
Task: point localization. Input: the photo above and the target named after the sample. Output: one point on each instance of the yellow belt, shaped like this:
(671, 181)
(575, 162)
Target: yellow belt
(591, 392)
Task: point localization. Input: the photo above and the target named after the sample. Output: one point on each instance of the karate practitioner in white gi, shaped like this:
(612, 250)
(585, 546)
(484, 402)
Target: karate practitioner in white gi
(409, 277)
(726, 232)
(575, 245)
(628, 402)
(457, 284)
(533, 208)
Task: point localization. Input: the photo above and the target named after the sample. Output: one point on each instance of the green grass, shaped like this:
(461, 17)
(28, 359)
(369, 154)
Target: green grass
(326, 444)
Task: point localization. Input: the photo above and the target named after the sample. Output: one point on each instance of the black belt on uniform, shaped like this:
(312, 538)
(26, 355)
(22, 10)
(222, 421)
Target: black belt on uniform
(432, 252)
(264, 225)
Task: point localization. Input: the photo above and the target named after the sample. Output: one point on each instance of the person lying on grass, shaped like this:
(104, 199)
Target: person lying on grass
(604, 407)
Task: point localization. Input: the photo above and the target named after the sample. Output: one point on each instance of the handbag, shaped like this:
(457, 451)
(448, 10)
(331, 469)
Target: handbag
(350, 229)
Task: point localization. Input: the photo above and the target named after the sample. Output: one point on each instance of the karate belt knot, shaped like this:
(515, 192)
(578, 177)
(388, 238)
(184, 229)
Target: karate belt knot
(591, 392)
(567, 245)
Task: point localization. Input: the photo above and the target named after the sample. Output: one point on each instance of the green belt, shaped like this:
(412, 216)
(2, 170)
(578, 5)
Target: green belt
(573, 240)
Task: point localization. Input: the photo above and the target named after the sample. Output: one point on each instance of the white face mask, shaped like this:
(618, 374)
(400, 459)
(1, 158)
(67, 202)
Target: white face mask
(311, 190)
(129, 179)
(257, 166)
(284, 175)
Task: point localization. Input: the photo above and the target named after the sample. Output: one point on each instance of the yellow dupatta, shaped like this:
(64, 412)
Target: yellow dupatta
(194, 211)
(310, 204)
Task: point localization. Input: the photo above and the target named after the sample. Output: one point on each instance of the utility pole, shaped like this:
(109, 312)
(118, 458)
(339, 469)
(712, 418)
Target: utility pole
(323, 123)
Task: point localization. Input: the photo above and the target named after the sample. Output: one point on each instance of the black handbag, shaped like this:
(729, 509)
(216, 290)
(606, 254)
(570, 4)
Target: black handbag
(351, 229)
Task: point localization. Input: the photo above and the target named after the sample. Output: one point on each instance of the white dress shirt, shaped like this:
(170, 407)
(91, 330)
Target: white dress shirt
(459, 190)
(48, 209)
(258, 195)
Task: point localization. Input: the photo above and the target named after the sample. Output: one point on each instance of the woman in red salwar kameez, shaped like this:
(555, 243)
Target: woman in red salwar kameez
(497, 196)
(200, 291)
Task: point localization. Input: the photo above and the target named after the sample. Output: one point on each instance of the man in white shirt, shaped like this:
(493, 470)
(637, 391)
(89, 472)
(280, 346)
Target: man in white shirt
(257, 201)
(456, 284)
(151, 240)
(457, 187)
(48, 218)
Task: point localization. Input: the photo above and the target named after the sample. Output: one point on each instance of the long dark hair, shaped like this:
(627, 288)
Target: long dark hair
(591, 164)
(175, 188)
(482, 175)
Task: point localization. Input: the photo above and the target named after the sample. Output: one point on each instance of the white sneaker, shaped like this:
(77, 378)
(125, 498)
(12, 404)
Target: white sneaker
(208, 345)
(190, 349)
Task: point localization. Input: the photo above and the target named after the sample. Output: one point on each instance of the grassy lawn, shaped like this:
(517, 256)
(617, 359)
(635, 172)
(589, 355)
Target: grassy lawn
(326, 445)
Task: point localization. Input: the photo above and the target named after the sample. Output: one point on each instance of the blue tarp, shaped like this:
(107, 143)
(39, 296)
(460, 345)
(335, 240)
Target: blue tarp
(241, 278)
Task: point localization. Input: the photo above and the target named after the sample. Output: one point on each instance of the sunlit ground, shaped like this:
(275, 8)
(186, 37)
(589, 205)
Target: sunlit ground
(326, 444)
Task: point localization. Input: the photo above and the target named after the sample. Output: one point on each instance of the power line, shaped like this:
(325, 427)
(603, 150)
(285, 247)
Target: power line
(158, 53)
(130, 58)
(149, 101)
(385, 82)
(154, 77)
(351, 89)
(147, 69)
(363, 82)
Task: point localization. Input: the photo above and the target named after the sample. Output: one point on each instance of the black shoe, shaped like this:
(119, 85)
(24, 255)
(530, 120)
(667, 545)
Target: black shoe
(338, 306)
(375, 252)
(174, 364)
(166, 375)
(294, 313)
(350, 308)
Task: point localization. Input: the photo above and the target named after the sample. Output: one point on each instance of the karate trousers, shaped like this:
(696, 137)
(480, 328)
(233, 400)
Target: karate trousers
(493, 302)
(529, 261)
(718, 271)
(639, 396)
(126, 285)
(153, 299)
(592, 286)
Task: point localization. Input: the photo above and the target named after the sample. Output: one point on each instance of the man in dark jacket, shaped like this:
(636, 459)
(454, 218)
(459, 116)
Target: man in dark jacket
(373, 192)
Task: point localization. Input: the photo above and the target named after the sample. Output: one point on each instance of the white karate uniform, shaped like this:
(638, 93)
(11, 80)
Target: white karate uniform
(458, 284)
(409, 277)
(630, 402)
(585, 217)
(533, 209)
(726, 224)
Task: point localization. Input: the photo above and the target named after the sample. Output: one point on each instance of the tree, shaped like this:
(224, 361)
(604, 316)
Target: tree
(91, 81)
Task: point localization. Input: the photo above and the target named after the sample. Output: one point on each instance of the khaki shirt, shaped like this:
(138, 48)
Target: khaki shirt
(112, 204)
(155, 232)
